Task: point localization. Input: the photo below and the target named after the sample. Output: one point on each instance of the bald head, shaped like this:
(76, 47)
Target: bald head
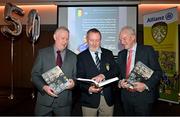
(128, 30)
(127, 37)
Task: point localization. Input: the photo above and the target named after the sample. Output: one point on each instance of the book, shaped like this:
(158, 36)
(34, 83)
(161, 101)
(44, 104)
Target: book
(140, 72)
(56, 79)
(100, 84)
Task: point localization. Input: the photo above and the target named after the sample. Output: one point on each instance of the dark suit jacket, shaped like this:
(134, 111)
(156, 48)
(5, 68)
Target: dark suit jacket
(147, 55)
(45, 61)
(86, 68)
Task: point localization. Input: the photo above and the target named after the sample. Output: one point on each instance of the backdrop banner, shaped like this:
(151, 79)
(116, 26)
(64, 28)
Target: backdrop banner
(161, 31)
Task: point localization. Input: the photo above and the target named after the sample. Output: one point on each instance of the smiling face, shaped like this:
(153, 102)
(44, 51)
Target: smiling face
(127, 38)
(61, 38)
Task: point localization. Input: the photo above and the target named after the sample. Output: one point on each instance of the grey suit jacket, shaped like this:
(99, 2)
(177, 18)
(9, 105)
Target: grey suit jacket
(45, 61)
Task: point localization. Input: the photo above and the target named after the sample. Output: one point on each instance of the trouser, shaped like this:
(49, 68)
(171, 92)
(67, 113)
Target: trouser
(102, 110)
(42, 110)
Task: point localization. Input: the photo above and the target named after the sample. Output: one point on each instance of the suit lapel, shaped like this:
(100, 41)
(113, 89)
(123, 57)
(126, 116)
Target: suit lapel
(124, 59)
(102, 58)
(52, 59)
(90, 59)
(138, 54)
(65, 58)
(67, 62)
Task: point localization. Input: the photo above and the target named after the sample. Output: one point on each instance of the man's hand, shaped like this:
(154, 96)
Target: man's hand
(70, 84)
(139, 86)
(99, 78)
(49, 91)
(94, 89)
(123, 84)
(119, 83)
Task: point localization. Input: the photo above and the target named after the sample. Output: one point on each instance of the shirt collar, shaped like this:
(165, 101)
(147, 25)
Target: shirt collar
(98, 50)
(133, 48)
(62, 52)
(56, 49)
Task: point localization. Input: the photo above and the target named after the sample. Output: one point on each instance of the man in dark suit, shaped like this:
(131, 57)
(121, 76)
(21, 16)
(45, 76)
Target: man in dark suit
(96, 100)
(139, 100)
(48, 103)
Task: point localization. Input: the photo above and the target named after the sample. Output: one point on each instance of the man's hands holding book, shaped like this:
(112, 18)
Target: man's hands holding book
(97, 82)
(70, 84)
(99, 78)
(137, 86)
(93, 88)
(50, 91)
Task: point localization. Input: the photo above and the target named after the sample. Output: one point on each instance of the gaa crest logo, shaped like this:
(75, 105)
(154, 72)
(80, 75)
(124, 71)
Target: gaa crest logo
(159, 31)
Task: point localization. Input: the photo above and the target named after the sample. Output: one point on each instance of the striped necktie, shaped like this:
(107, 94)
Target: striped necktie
(97, 60)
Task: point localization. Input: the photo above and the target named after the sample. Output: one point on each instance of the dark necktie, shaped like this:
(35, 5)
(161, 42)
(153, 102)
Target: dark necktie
(59, 59)
(97, 60)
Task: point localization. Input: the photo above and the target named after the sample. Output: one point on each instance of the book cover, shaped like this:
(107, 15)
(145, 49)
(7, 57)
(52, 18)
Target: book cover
(140, 72)
(101, 84)
(56, 79)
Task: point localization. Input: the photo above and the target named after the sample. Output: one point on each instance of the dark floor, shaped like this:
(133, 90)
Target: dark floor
(23, 105)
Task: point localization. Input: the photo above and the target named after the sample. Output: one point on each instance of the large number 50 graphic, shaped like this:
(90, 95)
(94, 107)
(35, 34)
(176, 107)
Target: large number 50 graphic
(15, 27)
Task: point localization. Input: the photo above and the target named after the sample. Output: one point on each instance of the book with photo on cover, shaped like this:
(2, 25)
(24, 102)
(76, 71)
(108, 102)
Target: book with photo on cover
(56, 79)
(105, 82)
(140, 72)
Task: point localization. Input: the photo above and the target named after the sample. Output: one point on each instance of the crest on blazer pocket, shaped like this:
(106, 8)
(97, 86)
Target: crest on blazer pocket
(107, 66)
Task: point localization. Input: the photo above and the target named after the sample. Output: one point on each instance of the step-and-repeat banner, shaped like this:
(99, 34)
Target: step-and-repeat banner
(161, 31)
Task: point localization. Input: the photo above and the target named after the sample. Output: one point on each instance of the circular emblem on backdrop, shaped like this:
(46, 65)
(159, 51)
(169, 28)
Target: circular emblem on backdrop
(169, 16)
(159, 31)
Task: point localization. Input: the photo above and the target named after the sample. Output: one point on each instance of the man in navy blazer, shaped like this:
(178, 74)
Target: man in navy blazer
(139, 100)
(96, 100)
(48, 103)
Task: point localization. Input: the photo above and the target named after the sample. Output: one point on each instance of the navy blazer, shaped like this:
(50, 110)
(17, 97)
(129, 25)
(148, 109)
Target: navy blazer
(86, 68)
(148, 56)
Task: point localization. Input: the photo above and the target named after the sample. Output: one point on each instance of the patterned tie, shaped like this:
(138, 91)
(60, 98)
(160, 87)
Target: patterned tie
(128, 63)
(97, 60)
(59, 59)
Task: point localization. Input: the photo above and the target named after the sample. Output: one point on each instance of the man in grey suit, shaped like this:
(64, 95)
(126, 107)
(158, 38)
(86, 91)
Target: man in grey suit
(48, 103)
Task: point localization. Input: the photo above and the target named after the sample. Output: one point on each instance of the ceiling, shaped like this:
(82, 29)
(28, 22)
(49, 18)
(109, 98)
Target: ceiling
(20, 2)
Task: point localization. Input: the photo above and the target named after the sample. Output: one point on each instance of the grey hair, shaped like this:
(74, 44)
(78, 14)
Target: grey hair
(129, 29)
(61, 28)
